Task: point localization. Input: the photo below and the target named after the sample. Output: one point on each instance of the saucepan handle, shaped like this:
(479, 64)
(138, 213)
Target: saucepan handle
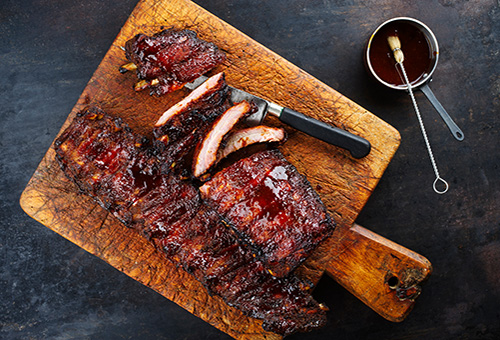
(455, 130)
(381, 273)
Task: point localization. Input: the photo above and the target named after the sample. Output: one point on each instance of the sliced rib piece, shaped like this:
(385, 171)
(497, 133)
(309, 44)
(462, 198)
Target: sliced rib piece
(206, 153)
(185, 123)
(203, 92)
(248, 136)
(126, 175)
(272, 207)
(172, 58)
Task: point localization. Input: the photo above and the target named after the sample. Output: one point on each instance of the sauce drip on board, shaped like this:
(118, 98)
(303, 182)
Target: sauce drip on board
(417, 54)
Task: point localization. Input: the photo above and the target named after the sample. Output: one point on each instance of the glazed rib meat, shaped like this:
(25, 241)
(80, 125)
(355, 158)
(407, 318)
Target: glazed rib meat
(267, 202)
(184, 124)
(242, 138)
(171, 58)
(127, 175)
(272, 208)
(206, 152)
(108, 162)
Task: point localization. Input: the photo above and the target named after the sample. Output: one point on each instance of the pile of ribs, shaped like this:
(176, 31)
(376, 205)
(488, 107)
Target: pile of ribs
(240, 231)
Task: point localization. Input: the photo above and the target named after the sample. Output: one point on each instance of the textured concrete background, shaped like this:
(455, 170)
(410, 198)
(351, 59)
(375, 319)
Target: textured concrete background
(51, 289)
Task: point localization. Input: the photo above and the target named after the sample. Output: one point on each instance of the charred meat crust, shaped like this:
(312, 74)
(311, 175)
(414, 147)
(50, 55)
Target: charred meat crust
(272, 207)
(172, 58)
(127, 177)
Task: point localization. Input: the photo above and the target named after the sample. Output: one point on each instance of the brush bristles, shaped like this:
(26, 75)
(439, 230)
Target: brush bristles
(395, 46)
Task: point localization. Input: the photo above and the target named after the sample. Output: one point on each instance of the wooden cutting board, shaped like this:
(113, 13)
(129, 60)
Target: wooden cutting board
(384, 275)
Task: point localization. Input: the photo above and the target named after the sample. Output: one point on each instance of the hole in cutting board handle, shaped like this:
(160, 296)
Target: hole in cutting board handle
(393, 282)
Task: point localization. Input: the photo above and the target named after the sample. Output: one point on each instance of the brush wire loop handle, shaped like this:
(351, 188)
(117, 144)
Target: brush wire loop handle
(438, 179)
(395, 45)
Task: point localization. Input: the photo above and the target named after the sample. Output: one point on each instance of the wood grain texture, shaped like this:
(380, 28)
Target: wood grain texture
(379, 272)
(355, 257)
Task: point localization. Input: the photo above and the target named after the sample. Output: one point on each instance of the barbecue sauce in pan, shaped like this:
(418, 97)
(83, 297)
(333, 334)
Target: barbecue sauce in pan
(417, 53)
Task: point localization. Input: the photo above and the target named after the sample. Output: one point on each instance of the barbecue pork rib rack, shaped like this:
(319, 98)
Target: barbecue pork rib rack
(128, 176)
(264, 199)
(272, 208)
(167, 60)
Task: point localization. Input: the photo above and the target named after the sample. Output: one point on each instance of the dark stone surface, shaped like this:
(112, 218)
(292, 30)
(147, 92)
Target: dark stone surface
(52, 289)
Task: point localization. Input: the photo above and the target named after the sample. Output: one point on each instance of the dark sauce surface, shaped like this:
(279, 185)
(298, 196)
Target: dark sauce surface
(415, 47)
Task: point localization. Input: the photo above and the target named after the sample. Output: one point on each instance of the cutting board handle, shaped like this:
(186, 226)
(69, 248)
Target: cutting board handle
(381, 273)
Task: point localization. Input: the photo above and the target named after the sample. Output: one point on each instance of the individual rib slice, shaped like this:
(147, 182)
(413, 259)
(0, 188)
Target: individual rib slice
(206, 153)
(127, 177)
(272, 207)
(185, 123)
(171, 58)
(248, 136)
(200, 98)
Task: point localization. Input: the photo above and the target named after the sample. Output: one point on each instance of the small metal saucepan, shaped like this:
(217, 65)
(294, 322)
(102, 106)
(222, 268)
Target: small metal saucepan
(422, 81)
